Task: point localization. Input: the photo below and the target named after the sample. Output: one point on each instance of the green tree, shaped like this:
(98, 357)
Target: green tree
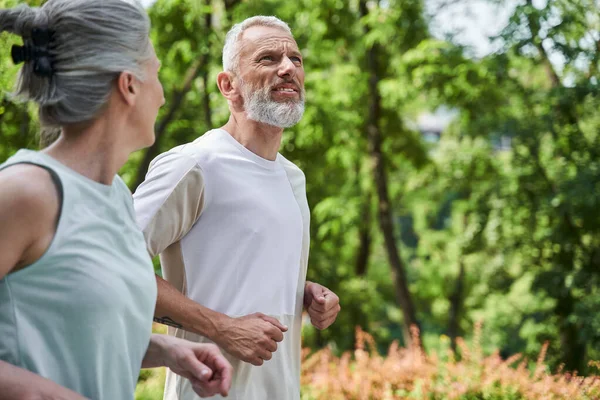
(540, 213)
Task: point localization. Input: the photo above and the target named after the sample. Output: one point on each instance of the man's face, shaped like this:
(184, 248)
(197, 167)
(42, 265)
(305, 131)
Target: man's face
(271, 76)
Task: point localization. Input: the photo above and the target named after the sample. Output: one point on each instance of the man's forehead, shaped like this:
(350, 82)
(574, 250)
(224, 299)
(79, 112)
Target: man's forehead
(260, 36)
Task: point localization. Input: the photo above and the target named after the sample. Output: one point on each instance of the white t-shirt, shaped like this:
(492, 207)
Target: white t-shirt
(232, 230)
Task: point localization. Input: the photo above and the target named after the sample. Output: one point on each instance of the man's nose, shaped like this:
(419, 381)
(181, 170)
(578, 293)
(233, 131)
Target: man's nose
(287, 68)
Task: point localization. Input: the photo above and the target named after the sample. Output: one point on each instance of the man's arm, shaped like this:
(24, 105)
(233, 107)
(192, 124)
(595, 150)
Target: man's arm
(167, 204)
(251, 338)
(321, 304)
(19, 384)
(176, 310)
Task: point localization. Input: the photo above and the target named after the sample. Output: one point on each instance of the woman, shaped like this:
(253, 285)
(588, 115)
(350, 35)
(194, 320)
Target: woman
(77, 288)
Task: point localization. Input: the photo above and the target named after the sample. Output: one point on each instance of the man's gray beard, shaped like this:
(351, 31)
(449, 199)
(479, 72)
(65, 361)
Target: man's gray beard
(261, 108)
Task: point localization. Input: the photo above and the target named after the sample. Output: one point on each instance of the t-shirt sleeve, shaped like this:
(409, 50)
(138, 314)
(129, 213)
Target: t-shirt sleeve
(169, 201)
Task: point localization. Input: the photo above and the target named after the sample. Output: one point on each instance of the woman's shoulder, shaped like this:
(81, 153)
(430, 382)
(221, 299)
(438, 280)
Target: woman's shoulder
(29, 209)
(30, 187)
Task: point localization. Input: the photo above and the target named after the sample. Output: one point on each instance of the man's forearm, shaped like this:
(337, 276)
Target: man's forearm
(174, 309)
(17, 383)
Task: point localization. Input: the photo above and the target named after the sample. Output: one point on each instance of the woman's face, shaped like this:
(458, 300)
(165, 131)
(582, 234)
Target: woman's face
(151, 99)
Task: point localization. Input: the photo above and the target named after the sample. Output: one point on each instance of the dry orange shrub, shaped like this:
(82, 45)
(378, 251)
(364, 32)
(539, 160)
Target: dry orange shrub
(409, 373)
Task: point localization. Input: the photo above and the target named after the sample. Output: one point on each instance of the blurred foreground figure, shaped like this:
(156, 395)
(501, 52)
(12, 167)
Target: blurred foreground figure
(77, 287)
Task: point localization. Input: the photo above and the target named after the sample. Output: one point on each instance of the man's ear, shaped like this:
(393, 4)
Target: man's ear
(228, 86)
(127, 87)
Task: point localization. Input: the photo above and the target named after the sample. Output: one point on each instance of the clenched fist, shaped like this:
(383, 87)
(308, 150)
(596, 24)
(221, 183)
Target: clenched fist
(252, 338)
(322, 305)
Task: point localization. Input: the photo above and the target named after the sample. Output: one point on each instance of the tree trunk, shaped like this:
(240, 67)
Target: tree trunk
(595, 61)
(534, 28)
(206, 98)
(364, 237)
(207, 109)
(403, 296)
(175, 104)
(229, 4)
(455, 306)
(567, 111)
(573, 350)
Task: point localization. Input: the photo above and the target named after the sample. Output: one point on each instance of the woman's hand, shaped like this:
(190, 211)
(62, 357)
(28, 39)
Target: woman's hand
(203, 364)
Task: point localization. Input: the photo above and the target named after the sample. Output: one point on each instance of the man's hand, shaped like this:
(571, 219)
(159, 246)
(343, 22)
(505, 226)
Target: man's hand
(322, 305)
(203, 364)
(252, 338)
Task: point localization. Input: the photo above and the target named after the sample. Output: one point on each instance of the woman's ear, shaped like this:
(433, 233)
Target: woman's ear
(127, 87)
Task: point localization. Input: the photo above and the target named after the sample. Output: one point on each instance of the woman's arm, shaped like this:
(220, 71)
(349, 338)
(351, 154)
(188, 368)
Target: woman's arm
(29, 207)
(19, 384)
(203, 364)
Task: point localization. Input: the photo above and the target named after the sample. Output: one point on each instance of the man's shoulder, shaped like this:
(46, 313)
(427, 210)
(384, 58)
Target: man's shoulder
(289, 166)
(199, 152)
(294, 173)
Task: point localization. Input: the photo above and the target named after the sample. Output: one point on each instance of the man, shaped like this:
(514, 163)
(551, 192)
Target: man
(228, 215)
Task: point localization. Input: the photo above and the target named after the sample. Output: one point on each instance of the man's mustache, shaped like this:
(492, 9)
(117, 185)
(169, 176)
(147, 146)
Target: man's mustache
(287, 82)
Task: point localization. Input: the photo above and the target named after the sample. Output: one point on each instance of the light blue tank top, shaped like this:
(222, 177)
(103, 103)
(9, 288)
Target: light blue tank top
(81, 315)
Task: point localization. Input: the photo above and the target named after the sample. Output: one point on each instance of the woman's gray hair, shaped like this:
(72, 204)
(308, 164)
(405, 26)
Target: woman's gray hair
(231, 49)
(93, 41)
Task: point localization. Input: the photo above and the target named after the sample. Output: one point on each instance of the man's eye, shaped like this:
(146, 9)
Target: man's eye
(296, 59)
(266, 58)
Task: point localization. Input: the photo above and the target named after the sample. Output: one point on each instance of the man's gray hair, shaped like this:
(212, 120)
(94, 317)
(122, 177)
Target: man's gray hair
(231, 49)
(93, 42)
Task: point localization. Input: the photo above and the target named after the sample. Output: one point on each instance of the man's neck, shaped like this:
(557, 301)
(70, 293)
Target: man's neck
(261, 139)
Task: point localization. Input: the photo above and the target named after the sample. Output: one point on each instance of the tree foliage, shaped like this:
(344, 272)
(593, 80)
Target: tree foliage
(495, 222)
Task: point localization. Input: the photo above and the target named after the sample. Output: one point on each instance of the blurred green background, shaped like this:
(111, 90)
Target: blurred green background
(448, 185)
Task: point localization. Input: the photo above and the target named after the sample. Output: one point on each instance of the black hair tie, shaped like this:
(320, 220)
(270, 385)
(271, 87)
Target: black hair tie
(36, 52)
